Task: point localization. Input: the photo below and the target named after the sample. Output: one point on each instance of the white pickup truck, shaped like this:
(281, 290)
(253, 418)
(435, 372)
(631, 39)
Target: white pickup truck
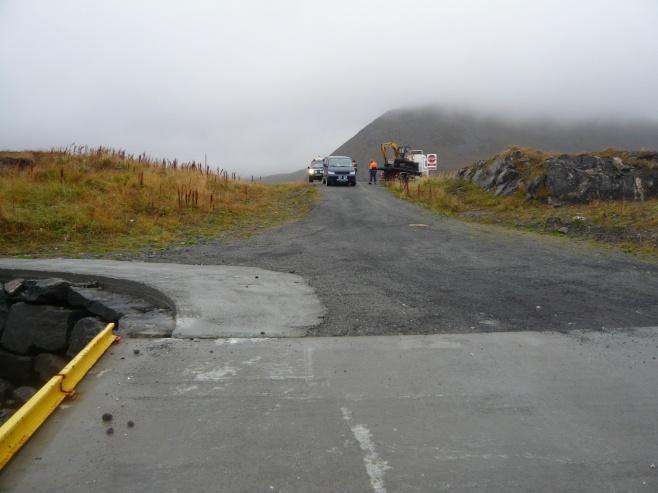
(420, 157)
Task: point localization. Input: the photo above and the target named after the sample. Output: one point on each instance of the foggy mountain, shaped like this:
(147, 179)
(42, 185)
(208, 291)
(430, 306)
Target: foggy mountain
(460, 137)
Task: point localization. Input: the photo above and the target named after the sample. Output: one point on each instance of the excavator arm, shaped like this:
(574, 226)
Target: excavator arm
(390, 148)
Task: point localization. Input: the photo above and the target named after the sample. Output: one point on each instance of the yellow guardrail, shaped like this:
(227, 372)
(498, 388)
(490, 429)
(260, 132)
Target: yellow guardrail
(22, 425)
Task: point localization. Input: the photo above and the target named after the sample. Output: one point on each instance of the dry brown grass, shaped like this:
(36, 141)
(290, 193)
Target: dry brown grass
(632, 226)
(103, 200)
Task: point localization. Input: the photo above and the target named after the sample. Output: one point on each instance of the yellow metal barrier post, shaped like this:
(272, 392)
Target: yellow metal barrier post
(85, 359)
(22, 425)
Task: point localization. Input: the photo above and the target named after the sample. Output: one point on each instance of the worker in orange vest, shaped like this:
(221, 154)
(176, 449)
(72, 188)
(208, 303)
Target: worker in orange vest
(372, 169)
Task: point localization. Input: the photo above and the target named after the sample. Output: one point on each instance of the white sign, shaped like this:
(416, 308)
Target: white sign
(431, 161)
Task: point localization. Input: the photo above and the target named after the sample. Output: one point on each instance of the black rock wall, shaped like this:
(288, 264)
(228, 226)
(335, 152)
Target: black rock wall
(568, 178)
(43, 323)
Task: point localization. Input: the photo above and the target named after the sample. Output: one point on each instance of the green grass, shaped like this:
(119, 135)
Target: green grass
(96, 201)
(631, 226)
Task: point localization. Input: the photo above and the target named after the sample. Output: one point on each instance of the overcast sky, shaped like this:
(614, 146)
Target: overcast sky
(263, 86)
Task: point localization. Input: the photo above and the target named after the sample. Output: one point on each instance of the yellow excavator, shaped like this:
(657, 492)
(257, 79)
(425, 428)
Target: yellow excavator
(397, 162)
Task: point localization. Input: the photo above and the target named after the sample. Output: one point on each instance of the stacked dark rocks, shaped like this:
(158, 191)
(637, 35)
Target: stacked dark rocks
(568, 178)
(43, 323)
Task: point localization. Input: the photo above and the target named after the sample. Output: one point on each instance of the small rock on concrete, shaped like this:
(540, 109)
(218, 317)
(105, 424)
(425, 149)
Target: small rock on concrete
(46, 291)
(83, 331)
(48, 365)
(106, 417)
(14, 367)
(23, 394)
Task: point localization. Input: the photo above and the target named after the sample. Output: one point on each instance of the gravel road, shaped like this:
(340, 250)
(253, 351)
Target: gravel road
(384, 266)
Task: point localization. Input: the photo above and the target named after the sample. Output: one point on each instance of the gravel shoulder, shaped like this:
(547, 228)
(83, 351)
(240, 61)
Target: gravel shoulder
(384, 266)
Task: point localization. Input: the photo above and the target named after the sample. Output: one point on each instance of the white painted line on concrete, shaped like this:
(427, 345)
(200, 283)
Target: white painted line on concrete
(308, 362)
(223, 373)
(376, 467)
(238, 340)
(251, 361)
(639, 329)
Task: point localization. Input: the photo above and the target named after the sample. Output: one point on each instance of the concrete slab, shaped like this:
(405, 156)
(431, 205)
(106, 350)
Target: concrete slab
(504, 412)
(210, 300)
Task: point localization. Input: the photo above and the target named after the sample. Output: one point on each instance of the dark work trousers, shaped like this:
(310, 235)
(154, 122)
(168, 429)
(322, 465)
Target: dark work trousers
(373, 176)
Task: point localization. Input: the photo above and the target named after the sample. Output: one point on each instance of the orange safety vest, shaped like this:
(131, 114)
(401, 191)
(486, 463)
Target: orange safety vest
(372, 165)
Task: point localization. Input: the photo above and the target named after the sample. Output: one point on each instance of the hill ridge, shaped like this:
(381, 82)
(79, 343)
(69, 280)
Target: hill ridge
(460, 137)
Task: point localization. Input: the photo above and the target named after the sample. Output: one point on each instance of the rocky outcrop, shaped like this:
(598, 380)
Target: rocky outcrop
(5, 389)
(610, 175)
(32, 329)
(53, 291)
(47, 365)
(84, 331)
(89, 299)
(585, 178)
(23, 394)
(500, 176)
(4, 310)
(14, 287)
(15, 367)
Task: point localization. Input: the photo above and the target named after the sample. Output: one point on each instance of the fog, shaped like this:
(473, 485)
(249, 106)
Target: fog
(260, 87)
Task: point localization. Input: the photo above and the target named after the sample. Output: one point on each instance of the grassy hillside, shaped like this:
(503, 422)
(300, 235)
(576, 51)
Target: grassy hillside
(103, 200)
(630, 225)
